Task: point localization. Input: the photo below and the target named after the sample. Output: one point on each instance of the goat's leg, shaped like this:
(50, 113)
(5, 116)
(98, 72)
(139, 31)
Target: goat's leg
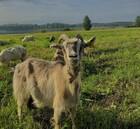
(73, 116)
(19, 106)
(58, 108)
(57, 118)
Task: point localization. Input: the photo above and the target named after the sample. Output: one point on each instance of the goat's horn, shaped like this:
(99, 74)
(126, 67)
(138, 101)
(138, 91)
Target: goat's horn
(63, 37)
(78, 36)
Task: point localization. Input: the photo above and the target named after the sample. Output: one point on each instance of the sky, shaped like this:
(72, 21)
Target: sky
(67, 11)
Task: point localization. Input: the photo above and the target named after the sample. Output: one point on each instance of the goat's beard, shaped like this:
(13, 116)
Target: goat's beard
(73, 64)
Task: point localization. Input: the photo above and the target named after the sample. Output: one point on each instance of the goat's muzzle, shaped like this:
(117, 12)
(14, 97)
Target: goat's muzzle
(73, 60)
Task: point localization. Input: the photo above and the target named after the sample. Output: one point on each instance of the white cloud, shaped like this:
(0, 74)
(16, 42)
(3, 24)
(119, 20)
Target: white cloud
(72, 11)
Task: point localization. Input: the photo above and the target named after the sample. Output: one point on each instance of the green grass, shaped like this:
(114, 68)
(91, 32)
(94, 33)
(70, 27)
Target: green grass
(110, 96)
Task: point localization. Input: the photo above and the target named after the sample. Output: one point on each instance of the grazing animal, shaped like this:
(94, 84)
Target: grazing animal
(3, 42)
(28, 38)
(52, 38)
(54, 84)
(12, 54)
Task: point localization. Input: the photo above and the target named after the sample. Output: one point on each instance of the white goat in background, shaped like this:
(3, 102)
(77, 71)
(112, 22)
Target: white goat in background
(12, 54)
(28, 38)
(54, 84)
(3, 42)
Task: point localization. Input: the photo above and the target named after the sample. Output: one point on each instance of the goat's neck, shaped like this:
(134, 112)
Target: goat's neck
(74, 82)
(73, 72)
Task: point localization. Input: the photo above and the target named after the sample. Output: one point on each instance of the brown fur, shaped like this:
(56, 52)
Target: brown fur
(54, 84)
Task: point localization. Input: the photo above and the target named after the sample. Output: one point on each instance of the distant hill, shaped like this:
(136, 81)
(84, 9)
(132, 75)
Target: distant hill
(25, 28)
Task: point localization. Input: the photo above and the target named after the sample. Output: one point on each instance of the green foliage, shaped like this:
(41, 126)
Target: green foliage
(24, 28)
(137, 21)
(87, 23)
(110, 97)
(114, 24)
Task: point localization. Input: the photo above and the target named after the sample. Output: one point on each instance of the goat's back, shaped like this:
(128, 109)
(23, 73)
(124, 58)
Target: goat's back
(37, 76)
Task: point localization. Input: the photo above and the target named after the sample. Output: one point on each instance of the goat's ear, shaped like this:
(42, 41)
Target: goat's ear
(58, 46)
(90, 42)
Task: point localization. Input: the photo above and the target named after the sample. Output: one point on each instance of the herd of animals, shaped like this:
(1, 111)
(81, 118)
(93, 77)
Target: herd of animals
(56, 83)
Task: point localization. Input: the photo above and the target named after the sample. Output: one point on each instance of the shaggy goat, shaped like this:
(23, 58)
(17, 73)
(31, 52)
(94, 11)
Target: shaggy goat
(3, 42)
(28, 38)
(54, 84)
(12, 54)
(52, 38)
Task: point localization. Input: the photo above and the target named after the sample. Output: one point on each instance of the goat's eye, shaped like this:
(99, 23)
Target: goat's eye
(74, 48)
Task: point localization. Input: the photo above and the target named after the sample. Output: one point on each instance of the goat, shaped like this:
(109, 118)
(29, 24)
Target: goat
(12, 54)
(3, 42)
(28, 38)
(52, 38)
(54, 84)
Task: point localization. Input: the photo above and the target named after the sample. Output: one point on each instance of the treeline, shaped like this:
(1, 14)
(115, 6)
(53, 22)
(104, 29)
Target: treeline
(18, 28)
(114, 24)
(21, 28)
(60, 25)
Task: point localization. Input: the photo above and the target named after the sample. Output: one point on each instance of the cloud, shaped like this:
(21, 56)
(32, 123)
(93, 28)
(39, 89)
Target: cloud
(4, 0)
(72, 11)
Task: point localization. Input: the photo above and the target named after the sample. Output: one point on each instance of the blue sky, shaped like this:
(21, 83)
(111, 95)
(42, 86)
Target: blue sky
(67, 11)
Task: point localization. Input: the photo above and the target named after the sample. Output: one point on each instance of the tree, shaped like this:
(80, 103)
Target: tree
(87, 23)
(137, 21)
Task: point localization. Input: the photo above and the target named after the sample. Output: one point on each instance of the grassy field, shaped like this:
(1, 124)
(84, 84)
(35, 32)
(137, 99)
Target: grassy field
(110, 96)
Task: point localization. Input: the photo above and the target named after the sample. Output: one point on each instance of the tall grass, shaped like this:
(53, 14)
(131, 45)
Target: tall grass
(110, 96)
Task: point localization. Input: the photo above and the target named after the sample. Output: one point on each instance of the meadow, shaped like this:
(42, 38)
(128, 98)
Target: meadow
(110, 97)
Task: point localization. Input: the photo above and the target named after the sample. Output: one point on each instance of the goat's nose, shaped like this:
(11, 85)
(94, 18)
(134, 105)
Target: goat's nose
(73, 56)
